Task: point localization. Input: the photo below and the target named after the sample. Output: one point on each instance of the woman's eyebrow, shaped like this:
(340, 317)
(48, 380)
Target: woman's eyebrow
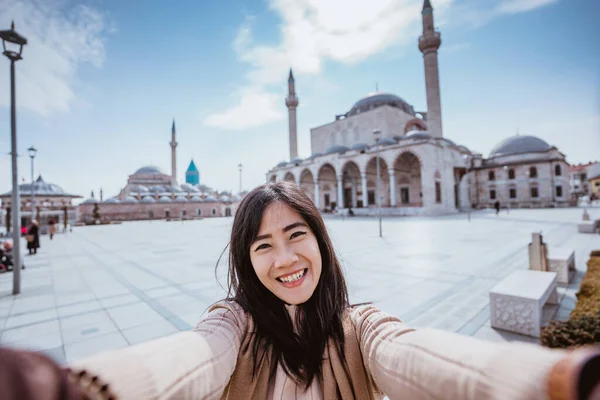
(287, 228)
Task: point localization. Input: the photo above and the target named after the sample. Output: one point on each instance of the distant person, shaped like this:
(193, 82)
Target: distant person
(497, 207)
(350, 212)
(52, 227)
(33, 237)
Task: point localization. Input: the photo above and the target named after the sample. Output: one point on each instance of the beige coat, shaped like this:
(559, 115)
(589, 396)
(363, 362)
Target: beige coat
(402, 362)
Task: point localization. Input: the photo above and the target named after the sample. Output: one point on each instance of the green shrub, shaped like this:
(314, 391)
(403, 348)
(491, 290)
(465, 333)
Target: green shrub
(575, 332)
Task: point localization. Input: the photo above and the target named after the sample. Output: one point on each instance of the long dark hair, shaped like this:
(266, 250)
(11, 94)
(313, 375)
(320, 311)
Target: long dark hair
(317, 320)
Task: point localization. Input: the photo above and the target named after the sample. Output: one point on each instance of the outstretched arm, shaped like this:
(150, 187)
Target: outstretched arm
(186, 365)
(431, 364)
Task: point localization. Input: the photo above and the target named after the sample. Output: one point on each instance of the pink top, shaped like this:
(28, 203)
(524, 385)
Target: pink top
(404, 363)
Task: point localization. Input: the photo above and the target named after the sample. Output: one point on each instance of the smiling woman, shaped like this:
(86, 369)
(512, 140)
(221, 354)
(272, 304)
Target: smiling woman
(286, 331)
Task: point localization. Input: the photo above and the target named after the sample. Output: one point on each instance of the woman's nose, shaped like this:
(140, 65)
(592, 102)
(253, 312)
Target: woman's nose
(285, 257)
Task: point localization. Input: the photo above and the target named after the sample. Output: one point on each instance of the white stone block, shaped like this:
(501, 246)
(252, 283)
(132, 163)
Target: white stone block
(516, 302)
(562, 261)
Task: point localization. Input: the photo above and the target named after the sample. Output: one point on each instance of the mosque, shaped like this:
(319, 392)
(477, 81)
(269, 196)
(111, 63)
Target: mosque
(420, 171)
(151, 194)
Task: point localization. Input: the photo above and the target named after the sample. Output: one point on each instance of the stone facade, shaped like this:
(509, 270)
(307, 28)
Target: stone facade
(359, 128)
(417, 177)
(157, 210)
(523, 180)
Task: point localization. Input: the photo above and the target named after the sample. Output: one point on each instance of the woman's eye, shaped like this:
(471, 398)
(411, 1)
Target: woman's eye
(296, 234)
(262, 246)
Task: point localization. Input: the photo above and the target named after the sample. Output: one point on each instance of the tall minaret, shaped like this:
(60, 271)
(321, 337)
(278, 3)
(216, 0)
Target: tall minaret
(173, 156)
(291, 101)
(429, 44)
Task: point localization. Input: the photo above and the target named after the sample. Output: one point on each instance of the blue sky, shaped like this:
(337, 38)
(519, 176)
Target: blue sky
(102, 80)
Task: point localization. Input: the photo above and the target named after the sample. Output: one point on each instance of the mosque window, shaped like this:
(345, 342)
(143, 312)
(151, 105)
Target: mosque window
(534, 192)
(492, 194)
(559, 191)
(492, 176)
(512, 192)
(438, 192)
(198, 212)
(533, 172)
(511, 173)
(557, 170)
(213, 212)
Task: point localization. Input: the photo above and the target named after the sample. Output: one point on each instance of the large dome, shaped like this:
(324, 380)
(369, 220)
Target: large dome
(518, 145)
(148, 170)
(378, 99)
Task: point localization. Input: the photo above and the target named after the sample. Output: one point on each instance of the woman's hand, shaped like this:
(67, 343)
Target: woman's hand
(577, 376)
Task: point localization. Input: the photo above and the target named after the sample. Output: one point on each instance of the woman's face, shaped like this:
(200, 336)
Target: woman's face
(285, 254)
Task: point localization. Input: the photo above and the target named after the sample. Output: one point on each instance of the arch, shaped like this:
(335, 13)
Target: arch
(289, 177)
(409, 185)
(307, 183)
(415, 124)
(557, 170)
(384, 189)
(351, 185)
(327, 179)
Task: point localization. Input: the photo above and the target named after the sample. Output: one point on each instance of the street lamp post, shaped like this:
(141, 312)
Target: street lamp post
(507, 190)
(32, 152)
(468, 159)
(15, 44)
(377, 134)
(240, 166)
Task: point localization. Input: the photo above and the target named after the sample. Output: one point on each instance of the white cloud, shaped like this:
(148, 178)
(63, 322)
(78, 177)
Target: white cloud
(346, 31)
(256, 108)
(60, 39)
(518, 6)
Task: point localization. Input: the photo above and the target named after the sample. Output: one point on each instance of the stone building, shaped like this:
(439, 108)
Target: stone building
(578, 180)
(51, 201)
(593, 175)
(521, 171)
(152, 194)
(420, 171)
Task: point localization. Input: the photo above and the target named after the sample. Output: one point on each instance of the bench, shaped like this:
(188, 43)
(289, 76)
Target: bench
(562, 261)
(516, 302)
(588, 226)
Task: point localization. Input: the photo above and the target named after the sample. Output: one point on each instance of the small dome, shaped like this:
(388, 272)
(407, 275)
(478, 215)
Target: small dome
(129, 200)
(359, 146)
(148, 199)
(196, 199)
(91, 200)
(337, 149)
(447, 141)
(112, 200)
(157, 189)
(148, 170)
(398, 138)
(210, 199)
(224, 198)
(418, 135)
(236, 198)
(378, 99)
(164, 199)
(296, 160)
(315, 156)
(282, 164)
(141, 189)
(518, 145)
(387, 141)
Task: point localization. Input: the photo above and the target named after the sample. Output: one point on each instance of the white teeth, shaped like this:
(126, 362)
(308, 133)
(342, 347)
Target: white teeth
(293, 277)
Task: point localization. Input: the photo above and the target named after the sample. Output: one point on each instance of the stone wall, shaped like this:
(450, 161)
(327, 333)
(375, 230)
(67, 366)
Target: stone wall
(359, 128)
(144, 211)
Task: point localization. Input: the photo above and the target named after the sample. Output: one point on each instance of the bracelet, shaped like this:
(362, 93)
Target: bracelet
(92, 386)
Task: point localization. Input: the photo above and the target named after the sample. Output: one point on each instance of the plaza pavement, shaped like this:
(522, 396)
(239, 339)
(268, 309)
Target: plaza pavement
(111, 286)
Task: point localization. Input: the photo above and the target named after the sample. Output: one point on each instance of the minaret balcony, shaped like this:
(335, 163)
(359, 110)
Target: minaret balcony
(291, 101)
(430, 41)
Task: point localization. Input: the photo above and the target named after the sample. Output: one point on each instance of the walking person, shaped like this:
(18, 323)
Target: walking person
(51, 227)
(33, 237)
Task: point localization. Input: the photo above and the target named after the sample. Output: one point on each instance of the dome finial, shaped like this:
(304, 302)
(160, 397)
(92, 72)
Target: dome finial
(376, 87)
